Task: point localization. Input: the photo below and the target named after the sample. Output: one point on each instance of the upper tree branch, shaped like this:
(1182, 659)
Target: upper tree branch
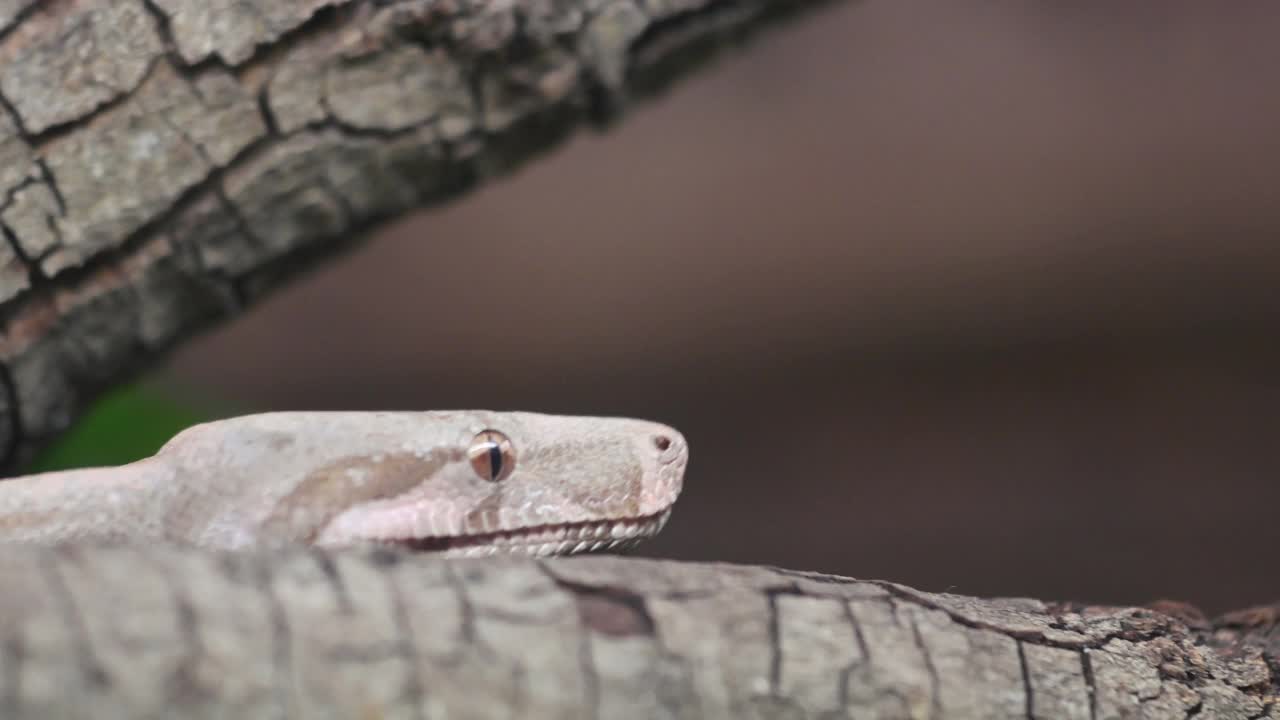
(165, 162)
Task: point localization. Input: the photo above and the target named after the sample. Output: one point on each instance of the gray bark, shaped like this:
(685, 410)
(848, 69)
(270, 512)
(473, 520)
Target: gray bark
(163, 163)
(165, 632)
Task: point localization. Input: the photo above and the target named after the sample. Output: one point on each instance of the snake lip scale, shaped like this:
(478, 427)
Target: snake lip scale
(540, 540)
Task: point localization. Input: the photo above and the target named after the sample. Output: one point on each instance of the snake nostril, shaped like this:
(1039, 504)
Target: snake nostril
(662, 442)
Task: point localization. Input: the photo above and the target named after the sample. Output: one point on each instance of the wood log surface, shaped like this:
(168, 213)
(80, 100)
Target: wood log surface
(168, 632)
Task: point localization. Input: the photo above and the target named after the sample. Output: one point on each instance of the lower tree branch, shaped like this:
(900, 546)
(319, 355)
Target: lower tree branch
(150, 632)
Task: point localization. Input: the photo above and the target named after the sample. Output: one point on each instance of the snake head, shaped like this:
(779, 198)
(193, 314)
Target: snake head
(479, 482)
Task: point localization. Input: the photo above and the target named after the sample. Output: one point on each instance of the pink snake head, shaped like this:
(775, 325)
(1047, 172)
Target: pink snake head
(476, 483)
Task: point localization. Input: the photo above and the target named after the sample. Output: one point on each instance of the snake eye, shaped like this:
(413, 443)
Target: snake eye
(491, 455)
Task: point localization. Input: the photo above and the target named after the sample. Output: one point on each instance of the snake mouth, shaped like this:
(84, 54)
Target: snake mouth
(540, 540)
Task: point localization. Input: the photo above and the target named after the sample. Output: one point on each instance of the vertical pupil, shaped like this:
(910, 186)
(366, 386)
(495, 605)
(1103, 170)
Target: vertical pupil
(495, 460)
(491, 455)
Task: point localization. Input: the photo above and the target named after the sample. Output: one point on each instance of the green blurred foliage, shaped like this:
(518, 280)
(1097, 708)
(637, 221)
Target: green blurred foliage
(124, 425)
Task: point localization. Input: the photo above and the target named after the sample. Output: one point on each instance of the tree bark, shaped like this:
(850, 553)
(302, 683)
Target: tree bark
(154, 632)
(163, 163)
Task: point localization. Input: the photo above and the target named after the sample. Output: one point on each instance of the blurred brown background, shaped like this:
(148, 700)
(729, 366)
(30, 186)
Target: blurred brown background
(971, 296)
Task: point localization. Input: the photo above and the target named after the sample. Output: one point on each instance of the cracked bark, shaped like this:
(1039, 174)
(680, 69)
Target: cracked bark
(163, 163)
(264, 635)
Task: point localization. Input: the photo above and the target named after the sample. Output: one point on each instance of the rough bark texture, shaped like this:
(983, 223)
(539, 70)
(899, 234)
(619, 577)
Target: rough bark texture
(120, 632)
(164, 162)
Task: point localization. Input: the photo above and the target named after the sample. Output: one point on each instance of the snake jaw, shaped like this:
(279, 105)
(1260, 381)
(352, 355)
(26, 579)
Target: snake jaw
(542, 540)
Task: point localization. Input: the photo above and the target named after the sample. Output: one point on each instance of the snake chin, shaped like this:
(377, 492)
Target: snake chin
(543, 540)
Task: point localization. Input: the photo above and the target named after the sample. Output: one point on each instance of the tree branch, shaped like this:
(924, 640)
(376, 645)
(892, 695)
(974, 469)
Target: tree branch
(163, 163)
(138, 632)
